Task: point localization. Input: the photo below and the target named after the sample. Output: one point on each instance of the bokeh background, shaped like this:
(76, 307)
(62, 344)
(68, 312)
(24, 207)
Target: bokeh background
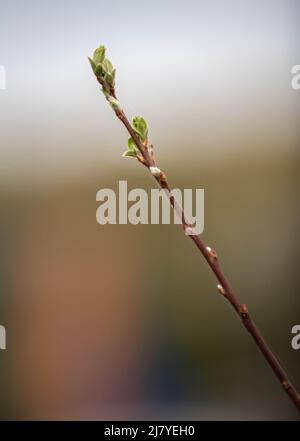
(124, 322)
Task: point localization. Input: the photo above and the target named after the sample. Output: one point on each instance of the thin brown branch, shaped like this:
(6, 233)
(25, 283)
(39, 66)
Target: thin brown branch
(211, 257)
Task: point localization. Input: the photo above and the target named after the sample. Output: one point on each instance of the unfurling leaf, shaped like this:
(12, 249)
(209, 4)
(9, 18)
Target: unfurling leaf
(140, 127)
(108, 67)
(99, 55)
(132, 151)
(129, 154)
(99, 70)
(93, 64)
(131, 144)
(109, 78)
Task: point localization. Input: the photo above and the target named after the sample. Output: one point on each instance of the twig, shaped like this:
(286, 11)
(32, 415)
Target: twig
(139, 148)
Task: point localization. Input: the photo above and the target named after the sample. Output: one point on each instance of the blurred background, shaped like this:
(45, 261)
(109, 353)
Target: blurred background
(122, 321)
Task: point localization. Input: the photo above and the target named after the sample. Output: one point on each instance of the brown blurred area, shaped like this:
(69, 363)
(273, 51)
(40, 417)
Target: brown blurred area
(125, 321)
(73, 303)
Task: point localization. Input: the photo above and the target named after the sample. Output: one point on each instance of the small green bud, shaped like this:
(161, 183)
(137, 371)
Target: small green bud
(102, 67)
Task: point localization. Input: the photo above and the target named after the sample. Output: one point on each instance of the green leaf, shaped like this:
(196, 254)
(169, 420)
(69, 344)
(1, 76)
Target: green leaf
(131, 144)
(108, 67)
(132, 151)
(109, 78)
(99, 71)
(140, 127)
(113, 74)
(129, 154)
(99, 55)
(93, 64)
